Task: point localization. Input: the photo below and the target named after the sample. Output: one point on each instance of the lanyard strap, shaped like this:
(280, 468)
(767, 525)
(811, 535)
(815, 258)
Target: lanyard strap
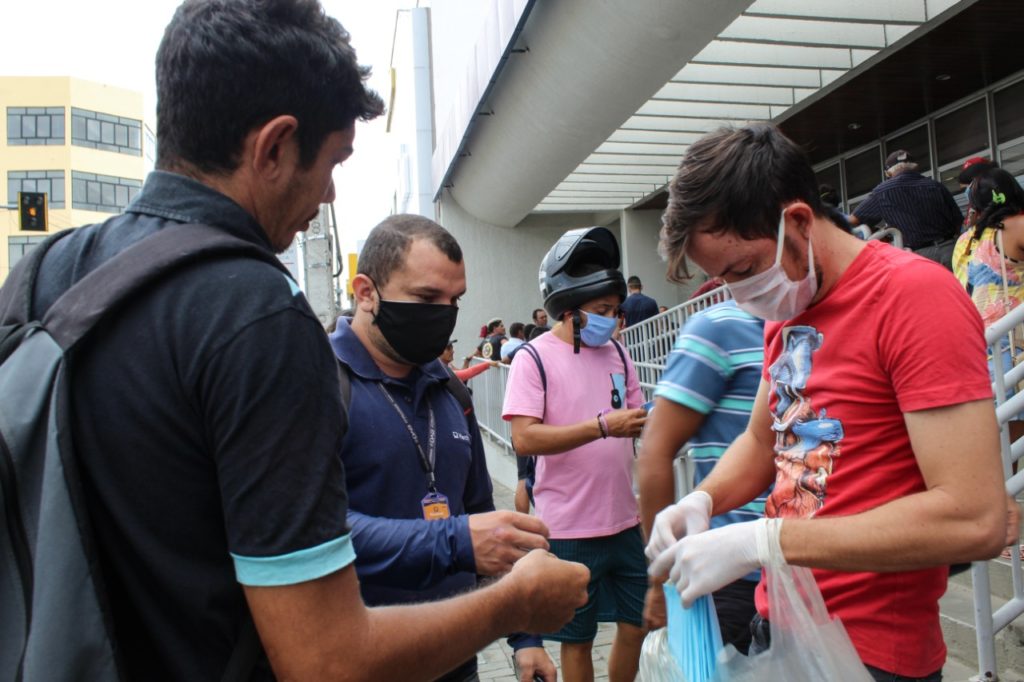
(427, 462)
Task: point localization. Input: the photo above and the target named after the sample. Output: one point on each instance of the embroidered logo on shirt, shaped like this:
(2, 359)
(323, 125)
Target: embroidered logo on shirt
(464, 437)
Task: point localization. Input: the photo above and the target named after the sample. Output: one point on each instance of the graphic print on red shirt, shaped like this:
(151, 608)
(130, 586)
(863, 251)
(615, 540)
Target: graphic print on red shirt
(842, 376)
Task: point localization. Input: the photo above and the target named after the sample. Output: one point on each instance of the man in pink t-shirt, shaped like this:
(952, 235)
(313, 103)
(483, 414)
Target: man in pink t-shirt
(874, 418)
(573, 397)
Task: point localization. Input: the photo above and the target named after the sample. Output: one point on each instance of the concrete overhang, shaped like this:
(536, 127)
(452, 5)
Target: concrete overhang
(584, 68)
(597, 105)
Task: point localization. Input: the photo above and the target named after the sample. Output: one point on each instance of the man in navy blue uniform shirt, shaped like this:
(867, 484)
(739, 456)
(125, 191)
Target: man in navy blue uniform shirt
(420, 498)
(638, 306)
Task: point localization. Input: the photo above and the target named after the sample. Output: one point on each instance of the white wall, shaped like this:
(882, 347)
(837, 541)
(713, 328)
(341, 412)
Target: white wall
(640, 257)
(412, 113)
(502, 265)
(455, 27)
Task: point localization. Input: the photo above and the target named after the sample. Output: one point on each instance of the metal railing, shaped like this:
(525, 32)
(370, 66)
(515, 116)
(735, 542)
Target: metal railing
(650, 342)
(988, 622)
(888, 234)
(488, 399)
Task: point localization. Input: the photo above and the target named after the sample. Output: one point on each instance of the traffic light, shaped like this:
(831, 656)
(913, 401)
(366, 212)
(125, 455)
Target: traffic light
(32, 211)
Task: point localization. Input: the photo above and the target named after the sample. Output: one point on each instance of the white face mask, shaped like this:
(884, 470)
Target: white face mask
(771, 295)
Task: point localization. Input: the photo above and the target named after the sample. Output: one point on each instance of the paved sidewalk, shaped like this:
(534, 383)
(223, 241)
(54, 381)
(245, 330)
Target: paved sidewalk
(495, 662)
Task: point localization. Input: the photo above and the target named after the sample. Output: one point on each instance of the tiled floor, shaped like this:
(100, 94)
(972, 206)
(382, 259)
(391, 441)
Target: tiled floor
(495, 662)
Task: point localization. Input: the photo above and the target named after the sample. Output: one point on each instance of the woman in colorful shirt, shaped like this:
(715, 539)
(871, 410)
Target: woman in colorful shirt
(989, 259)
(989, 262)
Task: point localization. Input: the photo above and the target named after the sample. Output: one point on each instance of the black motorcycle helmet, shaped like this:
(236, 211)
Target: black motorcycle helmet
(581, 266)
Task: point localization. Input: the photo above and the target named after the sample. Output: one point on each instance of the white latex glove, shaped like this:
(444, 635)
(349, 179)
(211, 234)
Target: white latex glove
(700, 564)
(688, 516)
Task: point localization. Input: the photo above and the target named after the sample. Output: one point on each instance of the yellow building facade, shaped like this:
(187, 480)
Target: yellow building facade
(84, 144)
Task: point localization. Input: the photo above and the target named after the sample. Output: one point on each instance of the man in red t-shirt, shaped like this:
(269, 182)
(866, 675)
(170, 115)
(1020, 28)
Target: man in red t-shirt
(874, 418)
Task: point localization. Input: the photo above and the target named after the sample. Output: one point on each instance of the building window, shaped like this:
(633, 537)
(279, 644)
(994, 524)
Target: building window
(863, 173)
(1007, 104)
(959, 135)
(103, 193)
(18, 247)
(830, 176)
(916, 142)
(149, 147)
(35, 126)
(50, 182)
(103, 131)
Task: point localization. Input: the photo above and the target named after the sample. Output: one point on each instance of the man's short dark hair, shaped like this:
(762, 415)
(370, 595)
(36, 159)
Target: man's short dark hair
(734, 180)
(388, 245)
(225, 67)
(537, 312)
(517, 330)
(493, 324)
(634, 282)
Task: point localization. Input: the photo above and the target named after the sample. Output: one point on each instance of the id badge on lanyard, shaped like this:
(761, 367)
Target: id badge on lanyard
(434, 504)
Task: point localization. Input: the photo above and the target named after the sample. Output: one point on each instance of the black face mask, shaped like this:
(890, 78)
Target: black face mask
(418, 332)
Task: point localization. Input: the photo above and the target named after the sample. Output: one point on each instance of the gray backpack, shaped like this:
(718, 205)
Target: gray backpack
(56, 622)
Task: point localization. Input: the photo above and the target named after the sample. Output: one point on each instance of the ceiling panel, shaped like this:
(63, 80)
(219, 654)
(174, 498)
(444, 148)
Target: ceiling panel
(773, 56)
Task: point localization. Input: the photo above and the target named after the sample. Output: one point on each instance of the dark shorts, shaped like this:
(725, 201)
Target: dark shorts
(734, 605)
(618, 582)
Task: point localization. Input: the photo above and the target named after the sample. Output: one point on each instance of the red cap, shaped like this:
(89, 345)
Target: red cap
(973, 160)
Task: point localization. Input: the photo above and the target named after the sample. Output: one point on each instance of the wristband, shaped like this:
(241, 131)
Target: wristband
(602, 425)
(767, 533)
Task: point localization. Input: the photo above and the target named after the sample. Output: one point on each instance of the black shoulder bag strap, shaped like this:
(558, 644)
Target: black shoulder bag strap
(461, 393)
(625, 365)
(454, 386)
(17, 294)
(19, 289)
(532, 352)
(345, 382)
(131, 271)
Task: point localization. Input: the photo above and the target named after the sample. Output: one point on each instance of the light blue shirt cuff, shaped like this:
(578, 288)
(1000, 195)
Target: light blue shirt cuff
(296, 567)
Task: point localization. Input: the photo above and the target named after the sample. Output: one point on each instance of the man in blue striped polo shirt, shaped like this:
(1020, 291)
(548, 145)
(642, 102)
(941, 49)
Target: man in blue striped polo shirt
(704, 400)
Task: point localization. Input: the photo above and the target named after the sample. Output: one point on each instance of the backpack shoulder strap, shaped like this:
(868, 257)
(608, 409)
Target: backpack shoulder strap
(532, 352)
(345, 382)
(19, 288)
(625, 365)
(84, 304)
(460, 392)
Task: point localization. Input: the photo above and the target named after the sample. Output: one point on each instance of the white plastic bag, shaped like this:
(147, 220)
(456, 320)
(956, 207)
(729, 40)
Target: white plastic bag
(656, 662)
(806, 643)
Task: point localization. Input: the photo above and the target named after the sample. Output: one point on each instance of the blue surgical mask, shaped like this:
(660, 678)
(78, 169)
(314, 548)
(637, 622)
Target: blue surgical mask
(599, 329)
(967, 195)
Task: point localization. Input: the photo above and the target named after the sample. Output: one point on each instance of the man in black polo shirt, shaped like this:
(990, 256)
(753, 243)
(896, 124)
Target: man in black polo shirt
(205, 413)
(922, 209)
(490, 347)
